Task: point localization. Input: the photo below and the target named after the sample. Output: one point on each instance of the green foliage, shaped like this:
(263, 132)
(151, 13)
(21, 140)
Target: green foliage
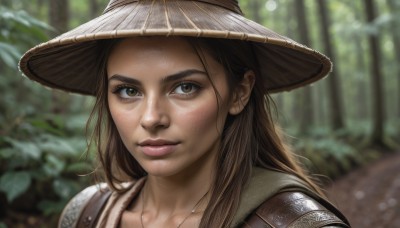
(17, 27)
(15, 183)
(43, 158)
(392, 129)
(334, 154)
(18, 32)
(328, 156)
(9, 54)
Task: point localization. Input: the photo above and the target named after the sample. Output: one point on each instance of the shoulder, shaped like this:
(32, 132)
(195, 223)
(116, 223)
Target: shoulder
(295, 210)
(287, 194)
(86, 207)
(75, 206)
(264, 184)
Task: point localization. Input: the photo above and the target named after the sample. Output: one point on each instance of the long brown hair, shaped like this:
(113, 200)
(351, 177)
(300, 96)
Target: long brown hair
(249, 139)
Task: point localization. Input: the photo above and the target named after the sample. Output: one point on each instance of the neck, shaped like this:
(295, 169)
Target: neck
(181, 191)
(178, 193)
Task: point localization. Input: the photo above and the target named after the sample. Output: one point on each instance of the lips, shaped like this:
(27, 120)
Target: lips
(157, 147)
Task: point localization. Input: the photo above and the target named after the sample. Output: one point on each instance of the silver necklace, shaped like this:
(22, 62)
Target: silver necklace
(187, 216)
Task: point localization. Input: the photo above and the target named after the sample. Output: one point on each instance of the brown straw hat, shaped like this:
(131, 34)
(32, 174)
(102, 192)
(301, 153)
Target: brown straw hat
(68, 62)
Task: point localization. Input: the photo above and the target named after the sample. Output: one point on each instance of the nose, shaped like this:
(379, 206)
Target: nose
(154, 115)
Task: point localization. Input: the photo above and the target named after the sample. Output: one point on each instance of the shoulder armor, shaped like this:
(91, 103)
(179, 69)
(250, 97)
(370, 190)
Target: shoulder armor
(293, 210)
(75, 206)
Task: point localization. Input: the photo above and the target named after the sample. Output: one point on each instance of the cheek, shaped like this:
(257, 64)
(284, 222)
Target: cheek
(124, 120)
(202, 119)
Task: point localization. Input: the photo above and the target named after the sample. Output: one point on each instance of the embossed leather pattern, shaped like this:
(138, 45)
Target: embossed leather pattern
(293, 210)
(73, 210)
(91, 213)
(76, 210)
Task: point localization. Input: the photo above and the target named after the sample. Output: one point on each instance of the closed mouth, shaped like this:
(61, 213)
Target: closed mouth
(156, 142)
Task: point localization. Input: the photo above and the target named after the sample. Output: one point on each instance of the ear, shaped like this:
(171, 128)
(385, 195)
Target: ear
(242, 92)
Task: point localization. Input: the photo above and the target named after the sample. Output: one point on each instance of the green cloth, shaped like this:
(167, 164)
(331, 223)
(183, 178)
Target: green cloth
(264, 184)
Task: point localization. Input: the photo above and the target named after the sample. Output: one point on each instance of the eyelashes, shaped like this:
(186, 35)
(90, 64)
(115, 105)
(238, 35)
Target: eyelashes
(126, 91)
(182, 89)
(186, 88)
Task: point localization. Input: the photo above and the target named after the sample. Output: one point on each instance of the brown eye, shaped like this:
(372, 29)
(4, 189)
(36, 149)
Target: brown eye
(127, 92)
(186, 88)
(131, 92)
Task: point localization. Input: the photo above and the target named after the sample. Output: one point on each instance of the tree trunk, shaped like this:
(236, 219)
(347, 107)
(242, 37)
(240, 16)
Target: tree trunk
(362, 103)
(377, 136)
(307, 115)
(362, 96)
(94, 8)
(5, 3)
(59, 15)
(255, 10)
(335, 98)
(394, 8)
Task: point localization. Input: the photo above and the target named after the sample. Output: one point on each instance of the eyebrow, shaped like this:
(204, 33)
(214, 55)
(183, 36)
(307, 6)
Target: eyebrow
(169, 78)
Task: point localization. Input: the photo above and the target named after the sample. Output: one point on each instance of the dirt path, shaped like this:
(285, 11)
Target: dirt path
(370, 196)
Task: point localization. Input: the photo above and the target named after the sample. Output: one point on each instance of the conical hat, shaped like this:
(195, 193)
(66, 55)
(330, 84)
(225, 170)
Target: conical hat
(68, 62)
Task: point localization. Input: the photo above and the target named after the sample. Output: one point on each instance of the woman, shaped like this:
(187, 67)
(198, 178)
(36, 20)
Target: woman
(182, 124)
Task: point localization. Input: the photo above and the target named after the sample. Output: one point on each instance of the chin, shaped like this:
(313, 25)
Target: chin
(161, 170)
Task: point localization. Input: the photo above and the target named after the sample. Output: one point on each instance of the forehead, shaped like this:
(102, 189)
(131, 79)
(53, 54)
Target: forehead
(169, 53)
(144, 51)
(141, 44)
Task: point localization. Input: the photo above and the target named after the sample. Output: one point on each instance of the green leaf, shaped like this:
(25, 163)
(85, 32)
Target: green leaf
(57, 145)
(78, 168)
(6, 153)
(27, 150)
(21, 29)
(3, 225)
(33, 22)
(53, 166)
(65, 188)
(77, 122)
(56, 163)
(51, 207)
(9, 54)
(13, 184)
(46, 125)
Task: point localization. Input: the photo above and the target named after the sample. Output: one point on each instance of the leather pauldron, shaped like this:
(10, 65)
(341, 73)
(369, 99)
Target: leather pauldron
(294, 210)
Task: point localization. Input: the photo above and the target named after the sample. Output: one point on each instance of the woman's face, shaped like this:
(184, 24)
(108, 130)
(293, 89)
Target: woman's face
(164, 105)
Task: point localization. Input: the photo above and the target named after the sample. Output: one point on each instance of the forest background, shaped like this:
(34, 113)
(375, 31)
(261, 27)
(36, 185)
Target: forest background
(342, 122)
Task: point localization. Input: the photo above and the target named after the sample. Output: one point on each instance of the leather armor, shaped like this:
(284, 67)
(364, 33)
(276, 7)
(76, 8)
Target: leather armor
(294, 210)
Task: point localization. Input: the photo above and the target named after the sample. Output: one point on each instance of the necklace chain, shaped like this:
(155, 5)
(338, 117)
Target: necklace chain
(187, 216)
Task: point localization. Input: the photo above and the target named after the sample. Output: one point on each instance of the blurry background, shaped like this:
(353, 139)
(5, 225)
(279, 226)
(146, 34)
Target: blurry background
(346, 126)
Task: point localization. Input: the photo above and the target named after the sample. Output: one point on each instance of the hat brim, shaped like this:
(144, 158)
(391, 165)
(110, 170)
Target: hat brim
(69, 62)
